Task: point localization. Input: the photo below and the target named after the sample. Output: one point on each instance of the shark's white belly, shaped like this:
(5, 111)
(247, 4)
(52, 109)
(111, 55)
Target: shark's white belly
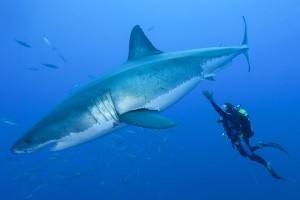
(165, 100)
(97, 130)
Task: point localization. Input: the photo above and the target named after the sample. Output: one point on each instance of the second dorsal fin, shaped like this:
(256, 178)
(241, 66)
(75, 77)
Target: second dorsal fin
(139, 45)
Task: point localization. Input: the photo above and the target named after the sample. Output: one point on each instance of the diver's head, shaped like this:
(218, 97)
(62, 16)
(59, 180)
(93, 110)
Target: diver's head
(228, 107)
(237, 107)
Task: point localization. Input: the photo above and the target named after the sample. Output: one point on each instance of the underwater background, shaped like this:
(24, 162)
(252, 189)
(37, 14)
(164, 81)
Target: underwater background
(85, 39)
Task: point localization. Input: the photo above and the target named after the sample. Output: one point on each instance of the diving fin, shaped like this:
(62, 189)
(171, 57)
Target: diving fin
(274, 145)
(273, 173)
(147, 119)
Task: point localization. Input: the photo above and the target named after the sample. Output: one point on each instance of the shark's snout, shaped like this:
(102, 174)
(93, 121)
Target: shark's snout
(22, 146)
(17, 151)
(14, 149)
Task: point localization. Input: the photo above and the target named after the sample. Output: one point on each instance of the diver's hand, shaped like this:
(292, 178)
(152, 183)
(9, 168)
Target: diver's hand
(208, 95)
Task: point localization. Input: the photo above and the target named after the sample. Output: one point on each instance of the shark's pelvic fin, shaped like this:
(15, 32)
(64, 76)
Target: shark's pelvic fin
(209, 77)
(147, 119)
(139, 45)
(245, 43)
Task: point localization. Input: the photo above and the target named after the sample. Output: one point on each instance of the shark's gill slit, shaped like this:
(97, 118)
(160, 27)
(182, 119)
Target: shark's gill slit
(112, 105)
(102, 118)
(93, 115)
(108, 107)
(101, 108)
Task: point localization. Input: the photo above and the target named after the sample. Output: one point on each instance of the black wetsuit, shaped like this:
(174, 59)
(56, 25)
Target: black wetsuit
(235, 128)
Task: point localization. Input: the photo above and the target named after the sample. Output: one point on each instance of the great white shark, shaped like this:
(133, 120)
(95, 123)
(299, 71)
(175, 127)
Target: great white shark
(133, 94)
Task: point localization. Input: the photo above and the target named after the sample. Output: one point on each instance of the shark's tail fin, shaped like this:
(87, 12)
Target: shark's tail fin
(245, 43)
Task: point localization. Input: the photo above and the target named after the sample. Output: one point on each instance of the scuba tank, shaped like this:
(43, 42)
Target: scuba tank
(245, 123)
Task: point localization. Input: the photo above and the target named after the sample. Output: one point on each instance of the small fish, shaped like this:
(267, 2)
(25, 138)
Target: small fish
(92, 77)
(36, 170)
(102, 183)
(38, 187)
(47, 41)
(151, 28)
(74, 88)
(24, 177)
(32, 68)
(130, 155)
(22, 43)
(50, 65)
(52, 158)
(166, 139)
(62, 58)
(123, 148)
(130, 131)
(124, 179)
(53, 48)
(76, 175)
(10, 122)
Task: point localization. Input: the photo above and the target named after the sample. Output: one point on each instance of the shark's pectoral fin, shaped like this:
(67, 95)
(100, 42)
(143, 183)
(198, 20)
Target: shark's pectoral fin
(147, 119)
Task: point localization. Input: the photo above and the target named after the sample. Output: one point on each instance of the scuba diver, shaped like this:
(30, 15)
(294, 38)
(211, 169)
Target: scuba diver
(238, 129)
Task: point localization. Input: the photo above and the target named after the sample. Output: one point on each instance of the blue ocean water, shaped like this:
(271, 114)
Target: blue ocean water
(189, 161)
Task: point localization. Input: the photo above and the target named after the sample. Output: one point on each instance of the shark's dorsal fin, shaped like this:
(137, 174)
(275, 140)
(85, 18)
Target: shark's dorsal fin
(139, 45)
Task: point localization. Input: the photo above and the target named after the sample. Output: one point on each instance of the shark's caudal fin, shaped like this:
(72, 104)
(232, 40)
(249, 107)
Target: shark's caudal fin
(139, 45)
(245, 43)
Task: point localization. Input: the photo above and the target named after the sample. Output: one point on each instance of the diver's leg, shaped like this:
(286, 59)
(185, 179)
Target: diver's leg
(259, 159)
(268, 165)
(249, 152)
(240, 150)
(245, 145)
(254, 148)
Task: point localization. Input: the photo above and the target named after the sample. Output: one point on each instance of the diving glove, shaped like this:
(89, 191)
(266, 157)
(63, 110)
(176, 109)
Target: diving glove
(208, 95)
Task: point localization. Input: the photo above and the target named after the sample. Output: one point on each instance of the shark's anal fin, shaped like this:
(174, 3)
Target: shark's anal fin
(139, 45)
(147, 119)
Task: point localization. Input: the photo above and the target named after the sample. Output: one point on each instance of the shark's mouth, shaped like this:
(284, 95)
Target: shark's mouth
(17, 150)
(72, 139)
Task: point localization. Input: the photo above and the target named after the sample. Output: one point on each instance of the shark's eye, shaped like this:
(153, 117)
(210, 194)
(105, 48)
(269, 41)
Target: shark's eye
(28, 141)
